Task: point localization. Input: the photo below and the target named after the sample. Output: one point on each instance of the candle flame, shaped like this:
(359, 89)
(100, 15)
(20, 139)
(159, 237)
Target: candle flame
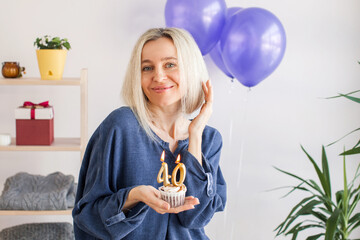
(162, 156)
(178, 159)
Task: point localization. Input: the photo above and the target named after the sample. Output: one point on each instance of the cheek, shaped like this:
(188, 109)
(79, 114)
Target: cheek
(175, 77)
(144, 82)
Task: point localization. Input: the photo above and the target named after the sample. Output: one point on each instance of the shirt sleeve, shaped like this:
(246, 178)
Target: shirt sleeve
(98, 206)
(205, 182)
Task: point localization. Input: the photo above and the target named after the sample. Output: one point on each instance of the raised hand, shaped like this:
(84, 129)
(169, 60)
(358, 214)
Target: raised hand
(198, 124)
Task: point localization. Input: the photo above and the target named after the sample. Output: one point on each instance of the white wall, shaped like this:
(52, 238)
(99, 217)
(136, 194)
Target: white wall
(267, 124)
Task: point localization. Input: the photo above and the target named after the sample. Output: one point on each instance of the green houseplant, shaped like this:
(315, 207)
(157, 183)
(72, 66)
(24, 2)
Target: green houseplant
(51, 55)
(334, 216)
(48, 42)
(319, 209)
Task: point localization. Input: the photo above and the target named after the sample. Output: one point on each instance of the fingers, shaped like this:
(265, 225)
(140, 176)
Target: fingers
(159, 206)
(151, 197)
(208, 90)
(198, 124)
(190, 203)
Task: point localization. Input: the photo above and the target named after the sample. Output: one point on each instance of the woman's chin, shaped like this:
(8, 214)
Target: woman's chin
(167, 104)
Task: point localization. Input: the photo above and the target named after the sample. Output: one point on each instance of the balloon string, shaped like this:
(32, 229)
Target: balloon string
(231, 124)
(231, 89)
(238, 164)
(231, 113)
(244, 135)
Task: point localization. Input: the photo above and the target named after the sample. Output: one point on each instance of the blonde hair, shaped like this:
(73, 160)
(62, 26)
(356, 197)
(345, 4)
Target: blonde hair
(192, 73)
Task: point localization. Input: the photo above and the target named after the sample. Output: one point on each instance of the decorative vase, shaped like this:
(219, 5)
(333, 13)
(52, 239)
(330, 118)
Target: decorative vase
(10, 69)
(51, 63)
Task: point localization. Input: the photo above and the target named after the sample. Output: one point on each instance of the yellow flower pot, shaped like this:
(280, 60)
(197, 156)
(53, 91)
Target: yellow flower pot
(51, 63)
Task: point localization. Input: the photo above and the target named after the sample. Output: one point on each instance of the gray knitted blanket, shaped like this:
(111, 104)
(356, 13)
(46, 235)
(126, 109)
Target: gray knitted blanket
(39, 231)
(24, 191)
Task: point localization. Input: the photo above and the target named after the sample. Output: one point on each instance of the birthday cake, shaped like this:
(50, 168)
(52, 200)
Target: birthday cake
(173, 195)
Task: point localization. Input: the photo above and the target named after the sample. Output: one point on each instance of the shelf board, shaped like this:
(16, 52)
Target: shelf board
(59, 144)
(23, 212)
(38, 81)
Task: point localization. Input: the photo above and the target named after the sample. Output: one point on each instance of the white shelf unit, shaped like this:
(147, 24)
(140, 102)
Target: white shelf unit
(59, 144)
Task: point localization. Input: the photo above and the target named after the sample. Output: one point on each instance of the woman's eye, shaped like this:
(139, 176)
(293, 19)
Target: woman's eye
(146, 69)
(170, 65)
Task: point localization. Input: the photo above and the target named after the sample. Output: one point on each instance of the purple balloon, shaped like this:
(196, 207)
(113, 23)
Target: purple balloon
(230, 12)
(204, 19)
(215, 53)
(253, 45)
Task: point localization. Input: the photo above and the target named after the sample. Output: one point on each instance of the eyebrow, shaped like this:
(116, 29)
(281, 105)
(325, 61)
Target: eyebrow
(163, 59)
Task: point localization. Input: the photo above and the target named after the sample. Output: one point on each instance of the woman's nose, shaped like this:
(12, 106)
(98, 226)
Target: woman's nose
(159, 74)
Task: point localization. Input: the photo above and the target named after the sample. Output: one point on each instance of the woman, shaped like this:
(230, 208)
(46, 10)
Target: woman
(117, 195)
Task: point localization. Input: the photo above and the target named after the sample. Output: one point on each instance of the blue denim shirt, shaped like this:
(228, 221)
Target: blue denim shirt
(120, 156)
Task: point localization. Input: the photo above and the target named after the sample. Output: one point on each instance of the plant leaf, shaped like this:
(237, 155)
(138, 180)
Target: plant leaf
(355, 99)
(356, 175)
(298, 228)
(340, 95)
(339, 197)
(321, 176)
(354, 219)
(357, 224)
(355, 202)
(319, 215)
(331, 225)
(351, 151)
(289, 219)
(325, 169)
(345, 201)
(314, 237)
(308, 207)
(67, 45)
(316, 187)
(297, 177)
(305, 210)
(343, 137)
(357, 144)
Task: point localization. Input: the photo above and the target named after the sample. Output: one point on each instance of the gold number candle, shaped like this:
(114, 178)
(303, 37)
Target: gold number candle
(163, 171)
(182, 168)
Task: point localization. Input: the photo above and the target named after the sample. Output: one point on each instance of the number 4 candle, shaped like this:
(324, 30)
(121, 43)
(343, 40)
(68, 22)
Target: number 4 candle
(163, 171)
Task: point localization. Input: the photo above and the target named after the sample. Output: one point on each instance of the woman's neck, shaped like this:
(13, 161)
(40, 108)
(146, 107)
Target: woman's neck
(169, 122)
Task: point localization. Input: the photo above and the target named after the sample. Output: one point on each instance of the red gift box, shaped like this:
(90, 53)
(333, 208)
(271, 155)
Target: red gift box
(34, 124)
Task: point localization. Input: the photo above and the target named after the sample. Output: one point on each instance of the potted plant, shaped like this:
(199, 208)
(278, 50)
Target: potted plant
(335, 216)
(51, 56)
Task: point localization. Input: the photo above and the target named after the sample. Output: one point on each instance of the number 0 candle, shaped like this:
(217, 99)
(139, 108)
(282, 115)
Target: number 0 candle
(163, 175)
(181, 167)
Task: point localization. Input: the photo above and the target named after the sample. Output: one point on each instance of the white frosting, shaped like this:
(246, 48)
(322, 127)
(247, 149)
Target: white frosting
(170, 189)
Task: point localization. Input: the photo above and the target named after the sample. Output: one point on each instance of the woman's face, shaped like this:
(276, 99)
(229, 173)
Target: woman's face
(160, 77)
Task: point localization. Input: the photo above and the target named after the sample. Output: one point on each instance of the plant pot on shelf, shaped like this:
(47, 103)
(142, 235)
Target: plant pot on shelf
(51, 63)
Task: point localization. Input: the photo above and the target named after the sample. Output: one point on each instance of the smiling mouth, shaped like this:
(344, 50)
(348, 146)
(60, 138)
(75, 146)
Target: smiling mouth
(161, 89)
